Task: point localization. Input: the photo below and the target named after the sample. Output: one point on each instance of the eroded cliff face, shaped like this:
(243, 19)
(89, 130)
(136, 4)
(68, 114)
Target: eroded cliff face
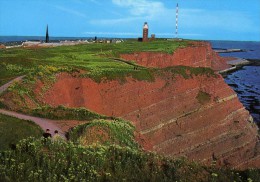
(197, 54)
(199, 117)
(169, 115)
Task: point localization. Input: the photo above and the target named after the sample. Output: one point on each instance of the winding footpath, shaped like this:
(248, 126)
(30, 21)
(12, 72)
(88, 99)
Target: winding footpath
(42, 122)
(5, 86)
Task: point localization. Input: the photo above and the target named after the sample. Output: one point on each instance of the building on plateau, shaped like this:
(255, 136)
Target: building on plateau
(152, 36)
(145, 32)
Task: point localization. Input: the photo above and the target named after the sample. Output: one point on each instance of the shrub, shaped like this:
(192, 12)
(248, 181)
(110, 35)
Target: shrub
(105, 132)
(38, 160)
(203, 97)
(62, 113)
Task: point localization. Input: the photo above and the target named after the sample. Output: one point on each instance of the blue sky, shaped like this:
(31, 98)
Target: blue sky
(198, 19)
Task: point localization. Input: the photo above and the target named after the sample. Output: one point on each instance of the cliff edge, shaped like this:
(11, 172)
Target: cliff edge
(199, 117)
(196, 54)
(193, 114)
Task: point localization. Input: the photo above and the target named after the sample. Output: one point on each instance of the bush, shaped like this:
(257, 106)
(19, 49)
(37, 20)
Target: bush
(62, 113)
(203, 97)
(36, 160)
(105, 132)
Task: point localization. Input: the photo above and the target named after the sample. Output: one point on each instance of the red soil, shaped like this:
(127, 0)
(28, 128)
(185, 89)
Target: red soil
(199, 54)
(168, 117)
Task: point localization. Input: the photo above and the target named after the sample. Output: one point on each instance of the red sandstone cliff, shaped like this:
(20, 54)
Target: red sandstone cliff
(197, 54)
(169, 116)
(167, 112)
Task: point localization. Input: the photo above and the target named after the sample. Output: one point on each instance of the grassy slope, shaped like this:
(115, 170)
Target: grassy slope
(104, 132)
(35, 160)
(9, 72)
(95, 58)
(20, 91)
(12, 130)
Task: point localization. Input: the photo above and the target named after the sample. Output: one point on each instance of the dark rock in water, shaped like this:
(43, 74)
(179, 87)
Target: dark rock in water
(246, 83)
(249, 86)
(238, 91)
(233, 85)
(253, 92)
(248, 96)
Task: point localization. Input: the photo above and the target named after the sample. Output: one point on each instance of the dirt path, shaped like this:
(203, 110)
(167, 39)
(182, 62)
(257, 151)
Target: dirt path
(5, 86)
(42, 122)
(127, 62)
(61, 125)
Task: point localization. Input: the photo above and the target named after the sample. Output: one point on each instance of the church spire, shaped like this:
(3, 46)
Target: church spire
(47, 35)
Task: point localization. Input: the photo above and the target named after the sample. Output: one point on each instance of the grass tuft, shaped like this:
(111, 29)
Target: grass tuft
(104, 132)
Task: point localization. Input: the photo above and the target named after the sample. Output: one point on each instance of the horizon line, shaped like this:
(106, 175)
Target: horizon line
(126, 37)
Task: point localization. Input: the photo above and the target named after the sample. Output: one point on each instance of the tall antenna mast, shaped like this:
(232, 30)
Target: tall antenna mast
(177, 11)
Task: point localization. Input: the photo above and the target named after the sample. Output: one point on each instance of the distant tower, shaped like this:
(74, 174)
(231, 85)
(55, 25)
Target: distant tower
(145, 32)
(47, 35)
(177, 11)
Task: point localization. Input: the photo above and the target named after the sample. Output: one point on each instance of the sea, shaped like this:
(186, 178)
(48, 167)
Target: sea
(244, 81)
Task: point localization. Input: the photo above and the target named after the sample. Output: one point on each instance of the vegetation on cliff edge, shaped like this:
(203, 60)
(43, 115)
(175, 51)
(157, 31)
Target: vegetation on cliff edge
(104, 132)
(94, 58)
(39, 160)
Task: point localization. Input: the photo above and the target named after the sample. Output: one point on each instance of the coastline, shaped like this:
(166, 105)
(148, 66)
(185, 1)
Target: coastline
(244, 88)
(238, 64)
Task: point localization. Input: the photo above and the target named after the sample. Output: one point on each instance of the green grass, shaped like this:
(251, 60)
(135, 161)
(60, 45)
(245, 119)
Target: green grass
(94, 58)
(36, 160)
(13, 130)
(105, 132)
(186, 71)
(9, 72)
(61, 113)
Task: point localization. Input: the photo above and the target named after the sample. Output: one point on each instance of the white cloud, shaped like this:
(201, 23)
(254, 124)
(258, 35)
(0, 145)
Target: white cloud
(203, 18)
(201, 21)
(71, 11)
(141, 7)
(142, 10)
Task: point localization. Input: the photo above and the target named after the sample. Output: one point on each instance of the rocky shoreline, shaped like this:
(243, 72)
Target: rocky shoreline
(237, 64)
